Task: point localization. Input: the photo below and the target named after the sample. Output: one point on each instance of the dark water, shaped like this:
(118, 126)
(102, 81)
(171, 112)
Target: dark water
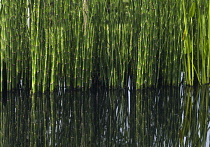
(150, 118)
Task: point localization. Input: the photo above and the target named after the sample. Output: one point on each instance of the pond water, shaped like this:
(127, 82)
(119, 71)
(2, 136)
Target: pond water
(149, 117)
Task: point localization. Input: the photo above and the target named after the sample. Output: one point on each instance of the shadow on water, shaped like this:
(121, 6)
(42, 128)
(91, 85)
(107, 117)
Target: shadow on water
(161, 117)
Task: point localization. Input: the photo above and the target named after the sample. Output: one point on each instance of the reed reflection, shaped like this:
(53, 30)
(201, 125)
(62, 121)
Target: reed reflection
(150, 117)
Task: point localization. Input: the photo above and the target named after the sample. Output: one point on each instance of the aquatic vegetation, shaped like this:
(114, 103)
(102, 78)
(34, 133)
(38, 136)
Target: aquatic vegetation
(46, 45)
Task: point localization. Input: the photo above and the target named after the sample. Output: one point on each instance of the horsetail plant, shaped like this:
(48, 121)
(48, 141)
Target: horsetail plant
(48, 45)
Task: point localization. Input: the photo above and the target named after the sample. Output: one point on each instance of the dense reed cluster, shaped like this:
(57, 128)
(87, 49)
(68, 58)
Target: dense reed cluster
(103, 43)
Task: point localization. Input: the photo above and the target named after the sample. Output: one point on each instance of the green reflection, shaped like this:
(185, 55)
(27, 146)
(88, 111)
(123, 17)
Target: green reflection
(150, 117)
(158, 117)
(194, 125)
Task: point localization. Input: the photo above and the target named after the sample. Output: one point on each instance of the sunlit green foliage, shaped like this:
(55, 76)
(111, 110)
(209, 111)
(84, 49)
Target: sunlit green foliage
(101, 43)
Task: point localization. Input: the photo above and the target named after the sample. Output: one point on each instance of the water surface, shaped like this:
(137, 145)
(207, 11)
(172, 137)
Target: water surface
(149, 117)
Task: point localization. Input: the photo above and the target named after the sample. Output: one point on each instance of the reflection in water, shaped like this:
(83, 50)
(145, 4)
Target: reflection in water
(161, 117)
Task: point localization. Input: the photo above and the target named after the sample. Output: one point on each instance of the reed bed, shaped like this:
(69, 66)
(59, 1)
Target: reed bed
(47, 45)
